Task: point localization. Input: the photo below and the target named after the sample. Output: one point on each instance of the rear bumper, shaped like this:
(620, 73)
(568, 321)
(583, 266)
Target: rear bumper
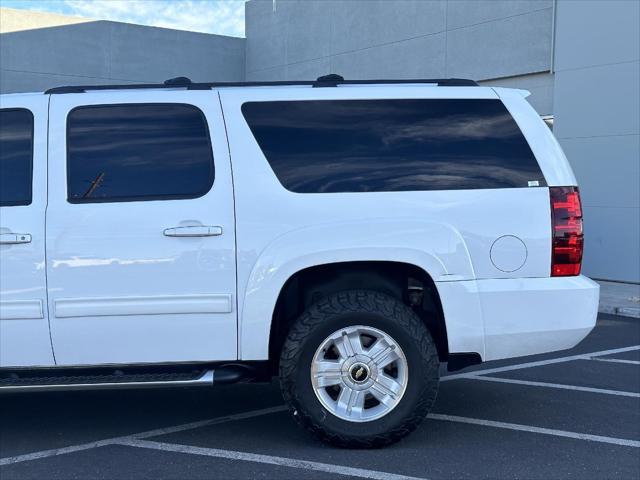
(504, 318)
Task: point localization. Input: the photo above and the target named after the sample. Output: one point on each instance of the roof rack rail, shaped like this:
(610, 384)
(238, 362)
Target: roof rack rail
(331, 80)
(178, 82)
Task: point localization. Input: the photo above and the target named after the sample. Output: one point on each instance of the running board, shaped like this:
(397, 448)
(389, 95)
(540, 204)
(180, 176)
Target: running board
(103, 382)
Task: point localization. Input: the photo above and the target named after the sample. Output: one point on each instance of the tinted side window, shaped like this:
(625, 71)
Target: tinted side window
(134, 152)
(392, 145)
(16, 156)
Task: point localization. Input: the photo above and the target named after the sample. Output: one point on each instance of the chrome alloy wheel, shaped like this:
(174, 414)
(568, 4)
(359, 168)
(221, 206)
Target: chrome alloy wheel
(359, 373)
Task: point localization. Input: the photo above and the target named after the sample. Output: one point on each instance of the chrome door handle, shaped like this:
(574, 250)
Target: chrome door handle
(199, 231)
(14, 238)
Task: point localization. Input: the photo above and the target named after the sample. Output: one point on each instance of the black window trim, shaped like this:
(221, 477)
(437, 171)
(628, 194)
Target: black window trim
(150, 198)
(30, 201)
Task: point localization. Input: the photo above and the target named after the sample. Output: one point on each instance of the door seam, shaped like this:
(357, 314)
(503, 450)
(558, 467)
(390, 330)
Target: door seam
(235, 228)
(46, 215)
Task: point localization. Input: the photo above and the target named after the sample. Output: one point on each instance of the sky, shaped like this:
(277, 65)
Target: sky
(223, 17)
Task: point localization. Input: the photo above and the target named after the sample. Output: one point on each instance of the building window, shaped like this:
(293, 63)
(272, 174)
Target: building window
(134, 152)
(392, 145)
(16, 156)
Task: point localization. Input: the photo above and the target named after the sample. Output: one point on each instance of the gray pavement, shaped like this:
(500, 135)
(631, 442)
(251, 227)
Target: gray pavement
(570, 414)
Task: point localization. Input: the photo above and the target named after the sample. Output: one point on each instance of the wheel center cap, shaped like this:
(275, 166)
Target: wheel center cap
(359, 372)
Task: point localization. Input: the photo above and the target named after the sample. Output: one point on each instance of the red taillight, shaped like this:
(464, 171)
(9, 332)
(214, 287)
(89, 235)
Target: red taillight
(567, 238)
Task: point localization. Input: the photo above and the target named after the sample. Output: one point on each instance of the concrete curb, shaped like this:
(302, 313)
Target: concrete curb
(619, 299)
(621, 311)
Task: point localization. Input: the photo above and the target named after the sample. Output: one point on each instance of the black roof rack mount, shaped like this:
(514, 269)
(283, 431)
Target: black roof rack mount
(331, 80)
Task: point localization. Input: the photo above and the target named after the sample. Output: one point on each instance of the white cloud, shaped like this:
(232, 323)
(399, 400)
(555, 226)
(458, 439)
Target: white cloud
(224, 17)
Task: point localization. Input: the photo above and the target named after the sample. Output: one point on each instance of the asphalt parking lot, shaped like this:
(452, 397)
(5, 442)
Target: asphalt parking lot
(570, 414)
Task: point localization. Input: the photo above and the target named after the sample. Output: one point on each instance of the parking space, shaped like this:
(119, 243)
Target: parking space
(571, 414)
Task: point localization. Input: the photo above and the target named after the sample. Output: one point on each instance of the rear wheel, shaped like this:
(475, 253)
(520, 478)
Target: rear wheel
(359, 369)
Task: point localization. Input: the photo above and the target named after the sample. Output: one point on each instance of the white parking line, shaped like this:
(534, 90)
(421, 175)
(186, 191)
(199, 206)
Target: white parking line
(545, 431)
(212, 421)
(54, 452)
(540, 363)
(269, 460)
(616, 360)
(150, 433)
(555, 385)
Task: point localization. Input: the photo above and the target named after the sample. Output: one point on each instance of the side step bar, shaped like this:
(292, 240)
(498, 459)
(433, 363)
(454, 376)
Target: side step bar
(206, 379)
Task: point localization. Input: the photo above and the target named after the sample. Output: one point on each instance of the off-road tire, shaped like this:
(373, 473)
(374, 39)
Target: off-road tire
(372, 309)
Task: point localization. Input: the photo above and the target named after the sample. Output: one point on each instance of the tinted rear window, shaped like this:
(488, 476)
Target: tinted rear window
(137, 152)
(16, 156)
(392, 145)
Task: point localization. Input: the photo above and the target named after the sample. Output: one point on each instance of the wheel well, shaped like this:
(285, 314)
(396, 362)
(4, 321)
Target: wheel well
(408, 283)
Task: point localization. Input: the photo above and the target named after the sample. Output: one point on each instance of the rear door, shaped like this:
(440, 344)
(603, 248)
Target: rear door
(140, 229)
(24, 324)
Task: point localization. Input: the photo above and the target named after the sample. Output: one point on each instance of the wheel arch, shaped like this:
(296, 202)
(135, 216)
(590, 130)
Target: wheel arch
(404, 281)
(436, 250)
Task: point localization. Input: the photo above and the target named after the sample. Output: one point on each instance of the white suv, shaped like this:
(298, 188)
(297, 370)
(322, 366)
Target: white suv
(348, 236)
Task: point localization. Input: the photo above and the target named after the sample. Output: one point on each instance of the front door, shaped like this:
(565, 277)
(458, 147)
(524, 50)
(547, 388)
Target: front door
(24, 323)
(140, 229)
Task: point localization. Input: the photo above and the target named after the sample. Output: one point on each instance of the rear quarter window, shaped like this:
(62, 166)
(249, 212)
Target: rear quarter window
(328, 146)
